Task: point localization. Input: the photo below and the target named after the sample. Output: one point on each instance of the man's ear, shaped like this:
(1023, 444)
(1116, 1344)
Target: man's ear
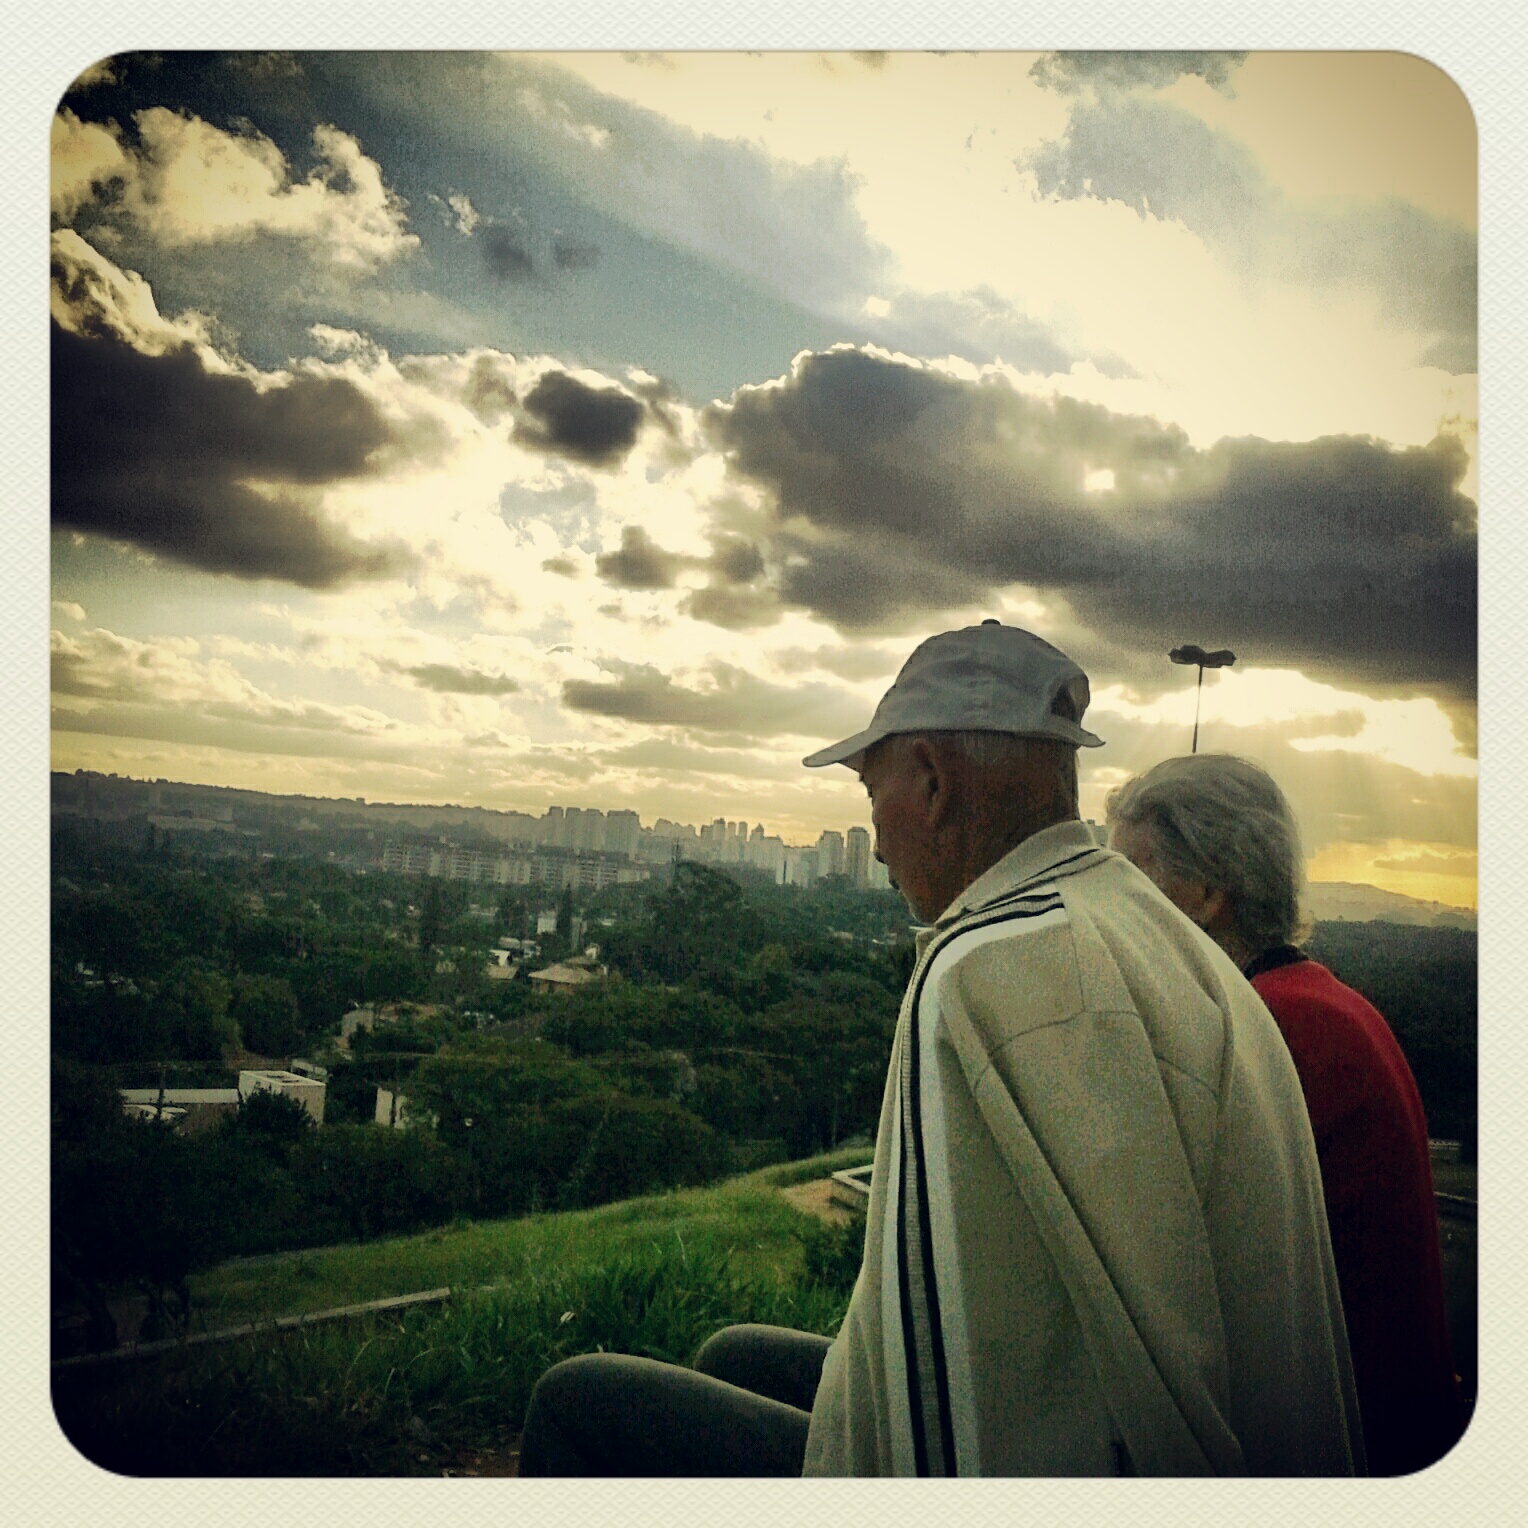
(929, 766)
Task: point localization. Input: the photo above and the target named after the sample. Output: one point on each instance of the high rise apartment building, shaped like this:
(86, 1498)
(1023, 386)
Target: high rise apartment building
(623, 832)
(830, 852)
(800, 866)
(550, 829)
(857, 856)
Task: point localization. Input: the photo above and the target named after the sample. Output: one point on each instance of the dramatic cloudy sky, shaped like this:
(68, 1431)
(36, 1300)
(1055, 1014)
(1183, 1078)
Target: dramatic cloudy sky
(605, 430)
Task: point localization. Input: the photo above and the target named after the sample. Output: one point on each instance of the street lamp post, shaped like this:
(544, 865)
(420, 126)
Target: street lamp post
(1221, 658)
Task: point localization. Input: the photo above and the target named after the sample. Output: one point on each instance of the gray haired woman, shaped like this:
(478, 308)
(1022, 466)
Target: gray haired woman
(1218, 838)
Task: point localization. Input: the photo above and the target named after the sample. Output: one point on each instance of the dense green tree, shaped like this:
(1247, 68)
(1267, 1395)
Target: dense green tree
(265, 1009)
(108, 1022)
(432, 917)
(133, 1202)
(504, 1088)
(379, 1182)
(695, 926)
(193, 1002)
(607, 1146)
(269, 1124)
(749, 1099)
(565, 943)
(326, 986)
(518, 907)
(617, 1015)
(350, 1095)
(391, 976)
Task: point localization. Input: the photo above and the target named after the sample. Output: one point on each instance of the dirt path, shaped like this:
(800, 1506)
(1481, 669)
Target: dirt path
(816, 1198)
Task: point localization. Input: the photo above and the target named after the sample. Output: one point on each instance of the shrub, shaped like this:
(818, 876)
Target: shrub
(609, 1146)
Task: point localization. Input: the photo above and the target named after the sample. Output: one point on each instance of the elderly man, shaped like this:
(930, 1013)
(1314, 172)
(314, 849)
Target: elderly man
(1216, 834)
(1095, 1242)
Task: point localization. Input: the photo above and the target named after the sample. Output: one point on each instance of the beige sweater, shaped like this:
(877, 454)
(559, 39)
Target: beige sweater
(1096, 1239)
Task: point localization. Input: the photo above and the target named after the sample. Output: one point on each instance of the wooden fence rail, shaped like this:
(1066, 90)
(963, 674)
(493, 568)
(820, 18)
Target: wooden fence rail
(251, 1329)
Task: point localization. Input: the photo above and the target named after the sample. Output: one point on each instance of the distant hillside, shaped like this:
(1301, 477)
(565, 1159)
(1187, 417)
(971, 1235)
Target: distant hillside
(1345, 902)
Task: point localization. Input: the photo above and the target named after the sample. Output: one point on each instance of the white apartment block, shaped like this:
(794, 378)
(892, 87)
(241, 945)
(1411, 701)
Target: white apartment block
(308, 1091)
(857, 859)
(830, 852)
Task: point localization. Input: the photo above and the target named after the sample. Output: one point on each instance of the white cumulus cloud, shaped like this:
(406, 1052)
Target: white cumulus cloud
(187, 182)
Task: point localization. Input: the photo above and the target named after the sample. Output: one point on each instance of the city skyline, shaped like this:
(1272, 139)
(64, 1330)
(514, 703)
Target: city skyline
(410, 827)
(479, 429)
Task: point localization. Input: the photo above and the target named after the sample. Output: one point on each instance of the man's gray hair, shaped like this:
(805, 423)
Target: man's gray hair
(1002, 750)
(988, 749)
(1222, 820)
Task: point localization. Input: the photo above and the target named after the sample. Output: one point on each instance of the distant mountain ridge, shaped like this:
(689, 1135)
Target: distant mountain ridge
(1347, 902)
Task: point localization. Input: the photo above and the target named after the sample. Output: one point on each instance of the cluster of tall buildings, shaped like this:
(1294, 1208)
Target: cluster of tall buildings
(734, 843)
(586, 848)
(588, 828)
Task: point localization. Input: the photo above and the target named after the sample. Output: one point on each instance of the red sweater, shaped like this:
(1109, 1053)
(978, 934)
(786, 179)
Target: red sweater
(1371, 1139)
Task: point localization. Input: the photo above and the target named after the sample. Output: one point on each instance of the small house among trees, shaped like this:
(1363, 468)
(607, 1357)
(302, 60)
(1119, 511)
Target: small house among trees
(563, 978)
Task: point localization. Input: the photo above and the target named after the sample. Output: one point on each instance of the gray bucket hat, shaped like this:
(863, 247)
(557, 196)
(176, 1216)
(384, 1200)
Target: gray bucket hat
(987, 678)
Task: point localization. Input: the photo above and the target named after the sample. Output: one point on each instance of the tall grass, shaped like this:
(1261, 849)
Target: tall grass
(745, 1216)
(408, 1392)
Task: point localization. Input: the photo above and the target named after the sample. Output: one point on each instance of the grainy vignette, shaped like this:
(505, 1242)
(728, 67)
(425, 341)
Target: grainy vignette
(1480, 45)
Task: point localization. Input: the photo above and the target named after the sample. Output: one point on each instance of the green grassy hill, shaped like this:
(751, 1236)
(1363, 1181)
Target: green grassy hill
(442, 1388)
(417, 1391)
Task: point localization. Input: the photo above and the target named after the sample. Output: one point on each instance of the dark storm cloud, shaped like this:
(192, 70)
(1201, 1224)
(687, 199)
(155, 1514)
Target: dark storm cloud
(900, 490)
(596, 425)
(736, 560)
(733, 702)
(875, 587)
(569, 255)
(157, 451)
(1072, 72)
(640, 563)
(506, 256)
(1151, 155)
(447, 679)
(732, 607)
(264, 66)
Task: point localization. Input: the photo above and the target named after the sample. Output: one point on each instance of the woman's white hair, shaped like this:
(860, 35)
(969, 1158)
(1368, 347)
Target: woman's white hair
(1222, 820)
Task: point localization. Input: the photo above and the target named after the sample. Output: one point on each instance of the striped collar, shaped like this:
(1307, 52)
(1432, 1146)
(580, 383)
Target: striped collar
(1061, 849)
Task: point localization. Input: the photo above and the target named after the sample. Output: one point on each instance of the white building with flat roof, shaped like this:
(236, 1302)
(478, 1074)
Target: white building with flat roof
(308, 1091)
(186, 1108)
